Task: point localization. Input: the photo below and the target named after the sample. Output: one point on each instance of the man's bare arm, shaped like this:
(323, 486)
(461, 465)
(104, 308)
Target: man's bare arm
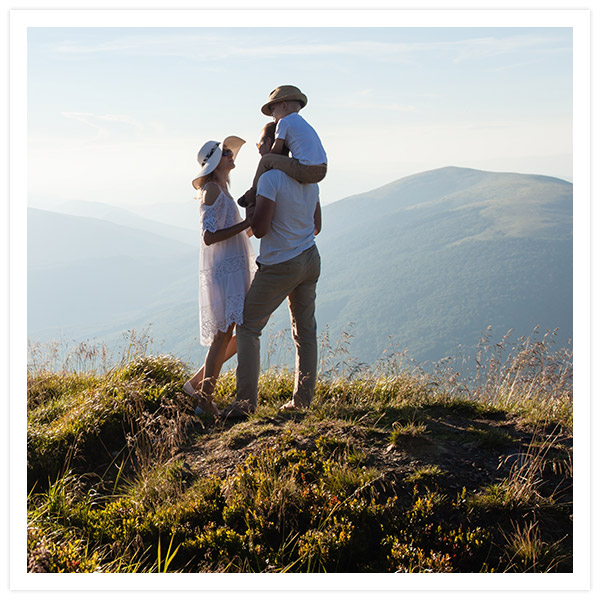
(261, 217)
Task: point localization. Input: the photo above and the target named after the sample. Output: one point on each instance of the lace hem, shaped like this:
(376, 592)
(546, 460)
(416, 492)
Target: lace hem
(234, 315)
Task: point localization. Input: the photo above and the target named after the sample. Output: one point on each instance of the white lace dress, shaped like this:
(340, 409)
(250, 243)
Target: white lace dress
(226, 270)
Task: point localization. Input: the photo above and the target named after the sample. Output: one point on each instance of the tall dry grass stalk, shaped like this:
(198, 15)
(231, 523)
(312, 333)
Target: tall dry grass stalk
(89, 356)
(532, 369)
(528, 553)
(529, 376)
(527, 471)
(154, 436)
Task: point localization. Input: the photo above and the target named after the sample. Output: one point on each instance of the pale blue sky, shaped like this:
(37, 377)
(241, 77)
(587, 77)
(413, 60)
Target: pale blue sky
(117, 114)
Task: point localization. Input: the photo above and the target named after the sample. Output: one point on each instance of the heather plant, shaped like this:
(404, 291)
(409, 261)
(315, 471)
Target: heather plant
(392, 469)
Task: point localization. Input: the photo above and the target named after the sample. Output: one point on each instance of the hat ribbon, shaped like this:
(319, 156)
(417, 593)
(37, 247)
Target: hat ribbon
(212, 151)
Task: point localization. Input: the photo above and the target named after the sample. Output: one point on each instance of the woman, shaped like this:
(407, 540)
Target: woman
(227, 264)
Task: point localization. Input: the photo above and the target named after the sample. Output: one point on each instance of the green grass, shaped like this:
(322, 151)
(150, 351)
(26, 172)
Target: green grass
(490, 437)
(386, 472)
(407, 430)
(425, 473)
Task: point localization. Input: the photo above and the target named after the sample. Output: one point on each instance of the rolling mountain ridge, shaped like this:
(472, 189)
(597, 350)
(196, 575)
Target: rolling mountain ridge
(424, 263)
(437, 257)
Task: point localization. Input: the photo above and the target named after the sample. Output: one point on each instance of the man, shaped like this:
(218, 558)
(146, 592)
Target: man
(286, 218)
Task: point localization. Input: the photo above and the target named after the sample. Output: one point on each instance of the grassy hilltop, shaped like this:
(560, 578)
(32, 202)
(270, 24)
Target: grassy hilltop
(391, 470)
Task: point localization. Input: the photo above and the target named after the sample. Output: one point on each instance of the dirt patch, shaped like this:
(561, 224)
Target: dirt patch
(468, 451)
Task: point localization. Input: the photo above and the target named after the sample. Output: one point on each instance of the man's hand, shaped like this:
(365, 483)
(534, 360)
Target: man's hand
(318, 219)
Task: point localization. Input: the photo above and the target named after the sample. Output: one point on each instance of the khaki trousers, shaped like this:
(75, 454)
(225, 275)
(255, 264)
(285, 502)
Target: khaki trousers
(296, 280)
(290, 166)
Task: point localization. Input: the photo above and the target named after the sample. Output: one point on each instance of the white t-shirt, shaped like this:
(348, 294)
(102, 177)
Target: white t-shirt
(293, 226)
(302, 140)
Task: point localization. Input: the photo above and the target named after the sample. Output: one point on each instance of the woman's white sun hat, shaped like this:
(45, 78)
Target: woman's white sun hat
(210, 155)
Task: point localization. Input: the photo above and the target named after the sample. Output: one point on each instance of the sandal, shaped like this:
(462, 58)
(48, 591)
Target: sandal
(201, 407)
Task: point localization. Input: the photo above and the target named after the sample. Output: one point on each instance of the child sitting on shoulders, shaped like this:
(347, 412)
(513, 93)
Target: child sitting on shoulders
(308, 163)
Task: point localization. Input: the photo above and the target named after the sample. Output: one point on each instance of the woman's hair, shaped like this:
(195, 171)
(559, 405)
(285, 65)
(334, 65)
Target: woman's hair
(202, 181)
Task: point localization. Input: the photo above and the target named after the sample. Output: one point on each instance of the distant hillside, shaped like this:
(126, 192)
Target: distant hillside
(185, 231)
(425, 264)
(91, 278)
(56, 239)
(429, 261)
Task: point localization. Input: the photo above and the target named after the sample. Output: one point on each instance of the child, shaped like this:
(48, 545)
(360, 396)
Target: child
(308, 163)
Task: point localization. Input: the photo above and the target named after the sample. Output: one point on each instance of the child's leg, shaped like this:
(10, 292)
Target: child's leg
(275, 161)
(266, 163)
(312, 173)
(290, 166)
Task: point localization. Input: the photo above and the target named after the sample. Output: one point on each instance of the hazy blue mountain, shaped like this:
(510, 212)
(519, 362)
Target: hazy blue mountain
(425, 264)
(88, 276)
(176, 213)
(433, 259)
(54, 239)
(187, 232)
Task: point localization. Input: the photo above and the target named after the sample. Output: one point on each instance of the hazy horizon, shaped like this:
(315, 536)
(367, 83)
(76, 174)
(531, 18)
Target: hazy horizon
(186, 214)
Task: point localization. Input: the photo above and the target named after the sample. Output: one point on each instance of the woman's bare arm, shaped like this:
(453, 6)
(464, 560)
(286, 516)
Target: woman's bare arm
(212, 237)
